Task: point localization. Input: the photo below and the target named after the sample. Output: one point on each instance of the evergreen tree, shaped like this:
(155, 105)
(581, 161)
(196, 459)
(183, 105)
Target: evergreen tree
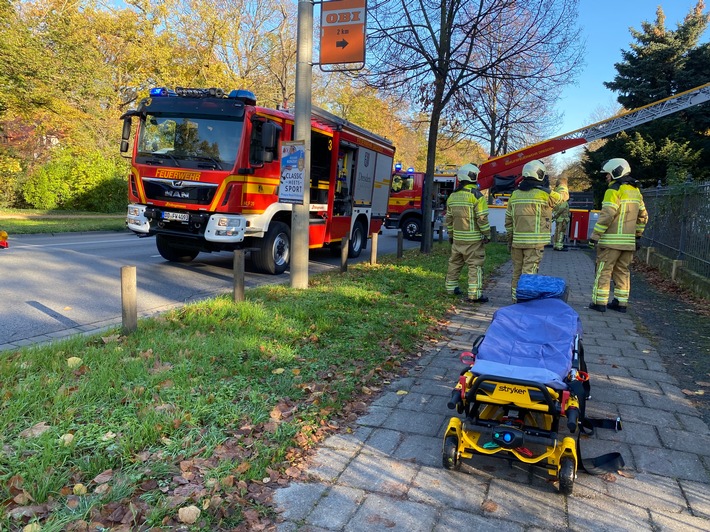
(661, 63)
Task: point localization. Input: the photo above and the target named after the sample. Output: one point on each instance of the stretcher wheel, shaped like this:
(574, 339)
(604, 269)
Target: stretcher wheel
(450, 458)
(566, 475)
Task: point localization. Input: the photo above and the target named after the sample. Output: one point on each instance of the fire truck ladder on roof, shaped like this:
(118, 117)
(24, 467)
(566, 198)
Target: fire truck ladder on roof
(644, 114)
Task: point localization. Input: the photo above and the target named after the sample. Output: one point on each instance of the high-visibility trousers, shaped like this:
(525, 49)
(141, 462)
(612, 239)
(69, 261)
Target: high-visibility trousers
(561, 227)
(612, 265)
(473, 255)
(525, 260)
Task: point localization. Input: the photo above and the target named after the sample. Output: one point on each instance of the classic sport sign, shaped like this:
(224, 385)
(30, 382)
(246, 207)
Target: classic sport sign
(342, 26)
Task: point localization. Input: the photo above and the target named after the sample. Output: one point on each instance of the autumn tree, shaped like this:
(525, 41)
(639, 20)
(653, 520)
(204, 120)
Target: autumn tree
(432, 51)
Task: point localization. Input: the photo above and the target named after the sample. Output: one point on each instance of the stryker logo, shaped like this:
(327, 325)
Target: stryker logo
(177, 194)
(511, 389)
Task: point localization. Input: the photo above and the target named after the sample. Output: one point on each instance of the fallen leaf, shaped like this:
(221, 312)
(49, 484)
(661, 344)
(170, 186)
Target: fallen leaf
(73, 362)
(66, 439)
(402, 392)
(703, 383)
(489, 506)
(104, 477)
(625, 474)
(608, 477)
(189, 514)
(35, 430)
(79, 489)
(32, 527)
(278, 371)
(108, 436)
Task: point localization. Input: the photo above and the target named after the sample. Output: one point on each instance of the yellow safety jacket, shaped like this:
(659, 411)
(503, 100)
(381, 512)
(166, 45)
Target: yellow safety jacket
(528, 217)
(467, 215)
(561, 211)
(623, 217)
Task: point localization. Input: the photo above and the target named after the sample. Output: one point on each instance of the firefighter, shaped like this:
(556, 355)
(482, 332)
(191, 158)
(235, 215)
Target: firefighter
(560, 215)
(528, 221)
(616, 234)
(469, 232)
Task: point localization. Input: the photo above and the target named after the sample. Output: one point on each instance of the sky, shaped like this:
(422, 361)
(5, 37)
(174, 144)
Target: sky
(605, 25)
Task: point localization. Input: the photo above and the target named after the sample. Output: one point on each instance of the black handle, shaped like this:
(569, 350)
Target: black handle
(572, 419)
(455, 399)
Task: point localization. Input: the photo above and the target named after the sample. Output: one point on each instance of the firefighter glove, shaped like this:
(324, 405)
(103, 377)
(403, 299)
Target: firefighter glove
(592, 244)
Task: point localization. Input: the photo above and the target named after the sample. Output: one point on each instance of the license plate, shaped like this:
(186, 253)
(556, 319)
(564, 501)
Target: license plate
(176, 216)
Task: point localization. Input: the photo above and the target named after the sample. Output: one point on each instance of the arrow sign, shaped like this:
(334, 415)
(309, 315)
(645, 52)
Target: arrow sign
(342, 32)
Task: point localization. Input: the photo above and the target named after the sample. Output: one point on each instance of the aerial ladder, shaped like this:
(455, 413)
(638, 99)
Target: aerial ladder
(505, 171)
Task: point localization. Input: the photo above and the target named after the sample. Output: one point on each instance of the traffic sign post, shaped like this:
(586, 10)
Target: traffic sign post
(342, 27)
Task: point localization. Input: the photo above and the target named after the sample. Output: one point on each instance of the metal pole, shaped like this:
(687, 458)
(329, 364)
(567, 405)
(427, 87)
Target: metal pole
(304, 73)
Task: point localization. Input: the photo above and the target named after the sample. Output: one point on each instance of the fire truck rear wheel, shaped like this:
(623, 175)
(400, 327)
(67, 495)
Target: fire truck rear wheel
(172, 252)
(275, 252)
(412, 229)
(357, 241)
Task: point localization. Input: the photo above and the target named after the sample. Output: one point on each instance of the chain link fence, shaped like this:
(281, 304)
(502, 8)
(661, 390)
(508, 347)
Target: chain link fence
(679, 224)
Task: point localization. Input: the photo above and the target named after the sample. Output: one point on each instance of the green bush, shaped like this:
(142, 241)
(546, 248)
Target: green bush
(86, 181)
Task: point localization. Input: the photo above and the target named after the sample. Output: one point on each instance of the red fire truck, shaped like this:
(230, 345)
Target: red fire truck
(405, 204)
(206, 170)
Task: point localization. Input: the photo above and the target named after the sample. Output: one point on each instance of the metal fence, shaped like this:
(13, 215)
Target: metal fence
(679, 224)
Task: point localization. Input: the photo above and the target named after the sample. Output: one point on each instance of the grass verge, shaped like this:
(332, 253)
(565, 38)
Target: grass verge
(24, 222)
(195, 418)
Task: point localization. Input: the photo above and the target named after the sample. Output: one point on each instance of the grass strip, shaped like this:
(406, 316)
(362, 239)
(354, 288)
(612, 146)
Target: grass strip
(212, 405)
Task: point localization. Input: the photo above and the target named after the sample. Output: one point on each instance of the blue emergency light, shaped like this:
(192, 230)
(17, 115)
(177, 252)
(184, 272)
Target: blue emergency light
(410, 169)
(161, 91)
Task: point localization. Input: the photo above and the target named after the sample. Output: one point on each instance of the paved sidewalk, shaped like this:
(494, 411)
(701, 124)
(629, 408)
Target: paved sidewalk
(387, 474)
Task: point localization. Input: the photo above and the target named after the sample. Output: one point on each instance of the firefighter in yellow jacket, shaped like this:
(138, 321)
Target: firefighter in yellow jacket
(621, 223)
(469, 232)
(528, 221)
(560, 215)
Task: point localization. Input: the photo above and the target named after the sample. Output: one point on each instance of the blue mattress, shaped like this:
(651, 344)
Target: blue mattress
(532, 340)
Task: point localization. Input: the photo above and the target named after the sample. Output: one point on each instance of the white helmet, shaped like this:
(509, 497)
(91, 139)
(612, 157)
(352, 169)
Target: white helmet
(535, 170)
(468, 172)
(616, 167)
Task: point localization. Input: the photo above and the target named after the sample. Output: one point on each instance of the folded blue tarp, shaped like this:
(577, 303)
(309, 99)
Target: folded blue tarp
(532, 340)
(535, 286)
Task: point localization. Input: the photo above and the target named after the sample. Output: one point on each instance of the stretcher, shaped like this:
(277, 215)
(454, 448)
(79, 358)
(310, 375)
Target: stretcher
(523, 391)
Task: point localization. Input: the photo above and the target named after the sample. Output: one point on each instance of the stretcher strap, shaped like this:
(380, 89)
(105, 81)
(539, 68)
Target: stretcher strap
(605, 463)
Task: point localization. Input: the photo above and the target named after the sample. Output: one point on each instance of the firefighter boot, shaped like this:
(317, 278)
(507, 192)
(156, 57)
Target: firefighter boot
(482, 299)
(615, 305)
(598, 308)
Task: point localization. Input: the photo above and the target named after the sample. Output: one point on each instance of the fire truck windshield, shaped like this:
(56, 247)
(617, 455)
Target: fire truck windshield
(194, 142)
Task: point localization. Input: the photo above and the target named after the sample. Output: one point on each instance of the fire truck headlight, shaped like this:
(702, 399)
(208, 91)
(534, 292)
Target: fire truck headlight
(229, 226)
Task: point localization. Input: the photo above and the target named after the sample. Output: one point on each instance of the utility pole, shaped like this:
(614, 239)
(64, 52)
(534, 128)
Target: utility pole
(304, 75)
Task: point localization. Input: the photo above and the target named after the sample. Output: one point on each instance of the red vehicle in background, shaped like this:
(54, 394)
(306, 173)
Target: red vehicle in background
(206, 170)
(405, 204)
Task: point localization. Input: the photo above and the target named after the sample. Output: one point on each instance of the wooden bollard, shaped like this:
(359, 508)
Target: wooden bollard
(129, 305)
(400, 243)
(344, 245)
(238, 275)
(373, 249)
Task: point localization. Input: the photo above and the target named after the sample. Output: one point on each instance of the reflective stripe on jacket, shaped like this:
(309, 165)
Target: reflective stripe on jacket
(623, 217)
(528, 217)
(467, 215)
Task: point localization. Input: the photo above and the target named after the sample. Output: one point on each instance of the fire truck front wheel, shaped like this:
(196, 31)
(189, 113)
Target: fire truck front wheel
(412, 228)
(172, 252)
(275, 252)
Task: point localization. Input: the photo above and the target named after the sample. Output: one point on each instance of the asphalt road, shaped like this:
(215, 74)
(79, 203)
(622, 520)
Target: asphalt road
(53, 283)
